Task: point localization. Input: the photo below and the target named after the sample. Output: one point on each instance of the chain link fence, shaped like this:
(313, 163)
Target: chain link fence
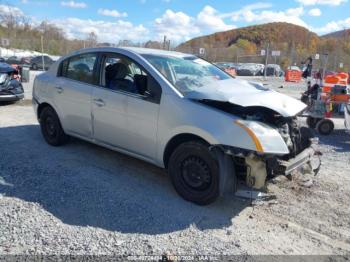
(334, 61)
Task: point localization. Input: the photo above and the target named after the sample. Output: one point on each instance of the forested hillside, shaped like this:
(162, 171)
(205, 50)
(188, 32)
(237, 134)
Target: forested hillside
(295, 43)
(23, 34)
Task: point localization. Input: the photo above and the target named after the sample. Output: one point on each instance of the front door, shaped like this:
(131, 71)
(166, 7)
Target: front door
(123, 114)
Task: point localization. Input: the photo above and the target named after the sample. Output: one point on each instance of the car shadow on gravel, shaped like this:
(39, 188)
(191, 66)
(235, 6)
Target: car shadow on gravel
(86, 185)
(5, 103)
(339, 139)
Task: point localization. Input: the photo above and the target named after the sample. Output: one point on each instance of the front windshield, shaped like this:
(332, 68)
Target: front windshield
(188, 73)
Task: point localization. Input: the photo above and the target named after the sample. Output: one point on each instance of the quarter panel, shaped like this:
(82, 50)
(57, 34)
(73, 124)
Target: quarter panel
(181, 115)
(43, 91)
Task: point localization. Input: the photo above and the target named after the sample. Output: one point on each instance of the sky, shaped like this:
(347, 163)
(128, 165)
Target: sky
(179, 20)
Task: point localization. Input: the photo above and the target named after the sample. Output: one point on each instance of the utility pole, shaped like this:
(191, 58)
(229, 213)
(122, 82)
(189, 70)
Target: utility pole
(324, 66)
(42, 52)
(164, 43)
(266, 59)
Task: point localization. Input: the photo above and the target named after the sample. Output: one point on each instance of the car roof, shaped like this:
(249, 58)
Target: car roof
(131, 50)
(135, 50)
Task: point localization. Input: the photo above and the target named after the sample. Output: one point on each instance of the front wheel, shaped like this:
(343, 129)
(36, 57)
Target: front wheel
(194, 172)
(51, 127)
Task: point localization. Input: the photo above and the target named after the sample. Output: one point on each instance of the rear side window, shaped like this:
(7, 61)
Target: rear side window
(80, 68)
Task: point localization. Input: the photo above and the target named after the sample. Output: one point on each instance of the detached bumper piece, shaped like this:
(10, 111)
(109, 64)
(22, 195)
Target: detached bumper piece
(286, 167)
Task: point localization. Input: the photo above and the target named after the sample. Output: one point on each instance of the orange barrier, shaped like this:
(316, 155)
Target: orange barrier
(341, 98)
(329, 82)
(293, 76)
(329, 88)
(343, 78)
(332, 80)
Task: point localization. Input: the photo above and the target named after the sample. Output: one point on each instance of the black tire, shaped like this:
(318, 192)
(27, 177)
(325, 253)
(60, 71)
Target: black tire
(34, 67)
(194, 172)
(325, 127)
(51, 127)
(312, 121)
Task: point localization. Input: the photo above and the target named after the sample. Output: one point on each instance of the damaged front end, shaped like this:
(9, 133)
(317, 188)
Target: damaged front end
(10, 87)
(256, 166)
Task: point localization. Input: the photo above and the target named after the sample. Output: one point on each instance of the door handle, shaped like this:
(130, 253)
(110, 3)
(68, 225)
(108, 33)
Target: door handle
(59, 89)
(99, 102)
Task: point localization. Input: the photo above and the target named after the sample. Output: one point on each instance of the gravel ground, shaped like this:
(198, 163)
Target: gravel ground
(84, 199)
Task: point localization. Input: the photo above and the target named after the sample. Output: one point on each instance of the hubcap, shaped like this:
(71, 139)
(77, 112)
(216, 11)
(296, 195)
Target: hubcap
(50, 127)
(196, 173)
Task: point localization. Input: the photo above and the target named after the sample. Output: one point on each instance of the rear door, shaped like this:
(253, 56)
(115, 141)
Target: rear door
(73, 91)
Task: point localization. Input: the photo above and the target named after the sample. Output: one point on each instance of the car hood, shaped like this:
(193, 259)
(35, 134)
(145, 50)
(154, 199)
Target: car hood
(248, 94)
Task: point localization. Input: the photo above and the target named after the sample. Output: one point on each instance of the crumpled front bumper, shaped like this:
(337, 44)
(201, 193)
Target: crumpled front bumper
(287, 167)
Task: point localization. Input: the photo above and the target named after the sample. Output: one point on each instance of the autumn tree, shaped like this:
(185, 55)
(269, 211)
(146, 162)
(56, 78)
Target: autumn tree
(248, 47)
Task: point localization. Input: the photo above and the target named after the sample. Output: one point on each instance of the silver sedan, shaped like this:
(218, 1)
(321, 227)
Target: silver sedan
(177, 111)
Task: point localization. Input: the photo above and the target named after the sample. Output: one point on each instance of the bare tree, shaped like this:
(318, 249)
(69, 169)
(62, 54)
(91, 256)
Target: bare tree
(91, 40)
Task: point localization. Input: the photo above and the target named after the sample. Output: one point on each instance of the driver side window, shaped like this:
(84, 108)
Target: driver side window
(122, 74)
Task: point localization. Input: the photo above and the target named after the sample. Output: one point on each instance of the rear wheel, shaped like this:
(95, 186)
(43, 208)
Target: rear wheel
(325, 127)
(194, 172)
(51, 127)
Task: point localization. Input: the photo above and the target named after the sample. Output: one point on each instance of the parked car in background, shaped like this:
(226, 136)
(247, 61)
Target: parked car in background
(274, 70)
(223, 65)
(25, 60)
(230, 68)
(2, 60)
(13, 60)
(250, 69)
(176, 111)
(10, 87)
(294, 68)
(36, 63)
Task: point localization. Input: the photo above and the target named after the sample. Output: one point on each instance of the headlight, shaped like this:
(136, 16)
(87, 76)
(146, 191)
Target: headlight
(246, 126)
(3, 78)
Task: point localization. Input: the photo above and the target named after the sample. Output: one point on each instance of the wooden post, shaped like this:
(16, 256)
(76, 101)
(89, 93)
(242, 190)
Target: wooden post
(42, 52)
